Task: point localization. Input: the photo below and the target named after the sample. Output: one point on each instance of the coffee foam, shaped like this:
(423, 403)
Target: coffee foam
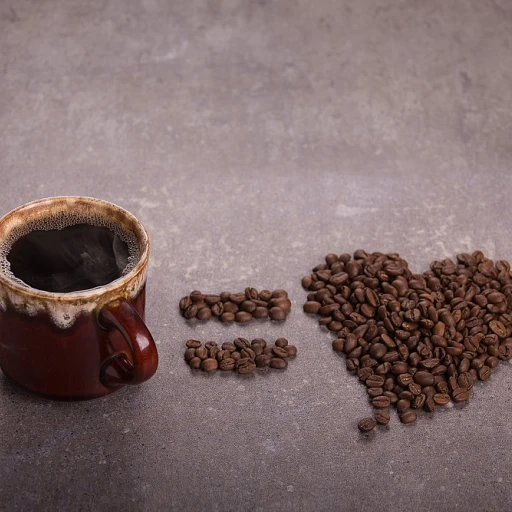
(59, 221)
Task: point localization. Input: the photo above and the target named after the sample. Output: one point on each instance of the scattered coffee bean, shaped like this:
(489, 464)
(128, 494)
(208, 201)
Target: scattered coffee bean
(366, 425)
(408, 417)
(382, 417)
(238, 307)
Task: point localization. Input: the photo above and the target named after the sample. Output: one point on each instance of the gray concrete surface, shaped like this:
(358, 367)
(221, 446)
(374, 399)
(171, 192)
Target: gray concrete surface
(252, 138)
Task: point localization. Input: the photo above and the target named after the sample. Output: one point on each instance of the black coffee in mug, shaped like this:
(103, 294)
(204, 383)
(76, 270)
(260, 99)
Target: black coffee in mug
(75, 257)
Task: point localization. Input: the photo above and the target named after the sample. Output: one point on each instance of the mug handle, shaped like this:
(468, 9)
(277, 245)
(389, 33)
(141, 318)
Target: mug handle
(118, 370)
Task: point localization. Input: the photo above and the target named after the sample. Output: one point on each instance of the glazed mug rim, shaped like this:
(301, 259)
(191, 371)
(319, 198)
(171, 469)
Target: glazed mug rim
(90, 293)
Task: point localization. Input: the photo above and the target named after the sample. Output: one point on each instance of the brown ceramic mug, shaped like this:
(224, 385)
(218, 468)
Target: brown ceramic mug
(81, 344)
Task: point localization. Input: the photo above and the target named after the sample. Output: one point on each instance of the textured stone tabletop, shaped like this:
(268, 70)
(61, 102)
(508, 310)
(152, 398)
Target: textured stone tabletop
(252, 138)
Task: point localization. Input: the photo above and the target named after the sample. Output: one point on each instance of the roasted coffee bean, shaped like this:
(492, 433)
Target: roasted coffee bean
(465, 380)
(204, 314)
(242, 343)
(441, 398)
(418, 401)
(364, 373)
(278, 363)
(404, 379)
(402, 405)
(245, 365)
(373, 392)
(227, 317)
(209, 365)
(195, 363)
(227, 365)
(381, 402)
(262, 360)
(312, 307)
(243, 317)
(193, 343)
(424, 378)
(382, 417)
(377, 350)
(291, 350)
(258, 341)
(484, 373)
(460, 394)
(393, 398)
(374, 381)
(201, 352)
(498, 328)
(217, 309)
(399, 367)
(279, 352)
(260, 312)
(248, 352)
(185, 303)
(338, 344)
(277, 314)
(281, 342)
(430, 405)
(366, 425)
(408, 416)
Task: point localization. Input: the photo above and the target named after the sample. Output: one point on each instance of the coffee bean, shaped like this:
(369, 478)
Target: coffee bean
(312, 307)
(281, 342)
(280, 352)
(242, 343)
(265, 295)
(408, 416)
(404, 379)
(366, 425)
(364, 373)
(204, 314)
(209, 365)
(243, 317)
(402, 405)
(338, 344)
(377, 350)
(492, 362)
(260, 312)
(278, 363)
(291, 350)
(419, 401)
(399, 367)
(227, 317)
(201, 352)
(498, 328)
(374, 392)
(430, 405)
(374, 381)
(381, 402)
(195, 363)
(248, 352)
(484, 373)
(227, 365)
(424, 378)
(460, 394)
(465, 380)
(277, 314)
(382, 417)
(262, 360)
(193, 343)
(441, 398)
(245, 365)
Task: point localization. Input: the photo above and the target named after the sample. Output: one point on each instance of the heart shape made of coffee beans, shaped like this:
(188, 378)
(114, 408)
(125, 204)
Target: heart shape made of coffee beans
(417, 341)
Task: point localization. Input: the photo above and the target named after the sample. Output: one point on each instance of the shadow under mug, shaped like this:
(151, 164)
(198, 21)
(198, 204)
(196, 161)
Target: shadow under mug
(82, 344)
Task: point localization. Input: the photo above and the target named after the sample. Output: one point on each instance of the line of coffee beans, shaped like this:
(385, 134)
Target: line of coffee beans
(417, 341)
(240, 355)
(236, 307)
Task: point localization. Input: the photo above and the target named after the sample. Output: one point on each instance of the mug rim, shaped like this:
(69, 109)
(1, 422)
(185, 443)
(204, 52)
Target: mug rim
(89, 293)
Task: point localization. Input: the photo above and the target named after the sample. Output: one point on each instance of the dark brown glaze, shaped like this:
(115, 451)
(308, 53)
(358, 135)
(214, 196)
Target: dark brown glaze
(66, 364)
